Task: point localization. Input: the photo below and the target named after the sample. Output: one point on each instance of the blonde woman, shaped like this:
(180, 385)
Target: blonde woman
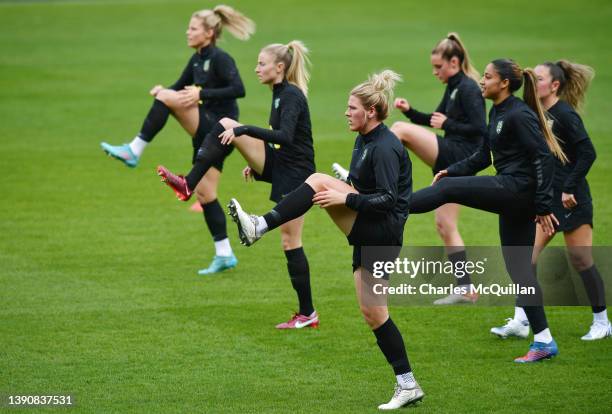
(371, 211)
(282, 156)
(205, 92)
(461, 115)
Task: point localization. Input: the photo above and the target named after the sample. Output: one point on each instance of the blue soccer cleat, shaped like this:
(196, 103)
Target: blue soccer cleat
(219, 264)
(539, 351)
(122, 153)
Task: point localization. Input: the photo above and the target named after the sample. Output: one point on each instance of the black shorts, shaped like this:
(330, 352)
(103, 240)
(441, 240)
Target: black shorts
(369, 231)
(207, 121)
(451, 151)
(283, 179)
(572, 219)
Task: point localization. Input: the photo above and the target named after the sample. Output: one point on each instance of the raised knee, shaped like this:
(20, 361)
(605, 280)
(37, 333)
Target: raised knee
(317, 181)
(166, 95)
(228, 123)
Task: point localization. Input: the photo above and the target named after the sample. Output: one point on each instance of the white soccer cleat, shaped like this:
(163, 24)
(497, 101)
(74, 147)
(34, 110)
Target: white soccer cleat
(340, 172)
(455, 298)
(520, 329)
(247, 223)
(403, 397)
(598, 331)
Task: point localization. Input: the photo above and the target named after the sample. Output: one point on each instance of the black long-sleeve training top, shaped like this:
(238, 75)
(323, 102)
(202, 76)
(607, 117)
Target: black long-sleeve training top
(567, 125)
(519, 151)
(216, 73)
(464, 108)
(291, 130)
(382, 173)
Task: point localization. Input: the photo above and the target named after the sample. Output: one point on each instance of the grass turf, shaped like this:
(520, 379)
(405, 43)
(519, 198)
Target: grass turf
(98, 291)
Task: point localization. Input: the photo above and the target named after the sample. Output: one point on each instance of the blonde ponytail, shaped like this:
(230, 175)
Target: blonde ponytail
(225, 16)
(377, 92)
(294, 55)
(574, 80)
(451, 46)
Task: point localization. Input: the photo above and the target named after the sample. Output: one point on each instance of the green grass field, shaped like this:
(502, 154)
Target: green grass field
(99, 295)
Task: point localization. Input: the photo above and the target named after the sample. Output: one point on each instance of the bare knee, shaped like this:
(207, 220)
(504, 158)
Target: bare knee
(317, 181)
(374, 316)
(228, 123)
(446, 227)
(401, 132)
(168, 97)
(290, 240)
(205, 192)
(580, 258)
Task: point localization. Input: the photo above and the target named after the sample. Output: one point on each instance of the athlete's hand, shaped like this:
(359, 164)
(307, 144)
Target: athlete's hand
(548, 223)
(189, 96)
(329, 197)
(227, 136)
(440, 175)
(437, 120)
(247, 173)
(568, 200)
(401, 104)
(155, 90)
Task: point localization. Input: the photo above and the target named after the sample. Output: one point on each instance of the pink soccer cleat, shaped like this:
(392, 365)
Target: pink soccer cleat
(176, 182)
(298, 321)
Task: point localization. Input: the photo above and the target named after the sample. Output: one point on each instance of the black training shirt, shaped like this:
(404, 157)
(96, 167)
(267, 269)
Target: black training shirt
(291, 133)
(568, 127)
(519, 150)
(382, 173)
(464, 108)
(216, 73)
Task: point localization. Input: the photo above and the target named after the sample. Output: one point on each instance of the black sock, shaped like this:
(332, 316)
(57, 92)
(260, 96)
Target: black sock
(215, 219)
(292, 206)
(209, 153)
(154, 121)
(456, 257)
(391, 343)
(594, 287)
(299, 273)
(536, 318)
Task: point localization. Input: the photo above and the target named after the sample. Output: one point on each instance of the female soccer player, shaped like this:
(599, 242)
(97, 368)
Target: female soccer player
(461, 114)
(205, 93)
(521, 143)
(282, 156)
(371, 212)
(561, 89)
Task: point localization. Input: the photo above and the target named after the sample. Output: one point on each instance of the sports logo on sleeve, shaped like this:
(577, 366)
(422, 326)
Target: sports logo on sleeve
(206, 65)
(499, 126)
(453, 94)
(276, 103)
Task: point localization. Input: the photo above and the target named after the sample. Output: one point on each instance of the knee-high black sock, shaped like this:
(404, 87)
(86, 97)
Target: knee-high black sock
(458, 257)
(391, 343)
(215, 219)
(154, 121)
(209, 153)
(536, 318)
(292, 206)
(299, 273)
(594, 287)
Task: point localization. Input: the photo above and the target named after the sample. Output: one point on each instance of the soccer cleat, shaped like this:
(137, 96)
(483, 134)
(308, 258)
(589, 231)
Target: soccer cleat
(539, 351)
(122, 153)
(247, 223)
(403, 397)
(298, 321)
(455, 298)
(598, 331)
(176, 182)
(219, 264)
(520, 329)
(340, 172)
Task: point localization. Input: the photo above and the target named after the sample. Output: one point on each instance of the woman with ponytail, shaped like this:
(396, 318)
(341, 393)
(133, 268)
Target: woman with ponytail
(282, 155)
(205, 92)
(523, 146)
(461, 115)
(371, 210)
(561, 89)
